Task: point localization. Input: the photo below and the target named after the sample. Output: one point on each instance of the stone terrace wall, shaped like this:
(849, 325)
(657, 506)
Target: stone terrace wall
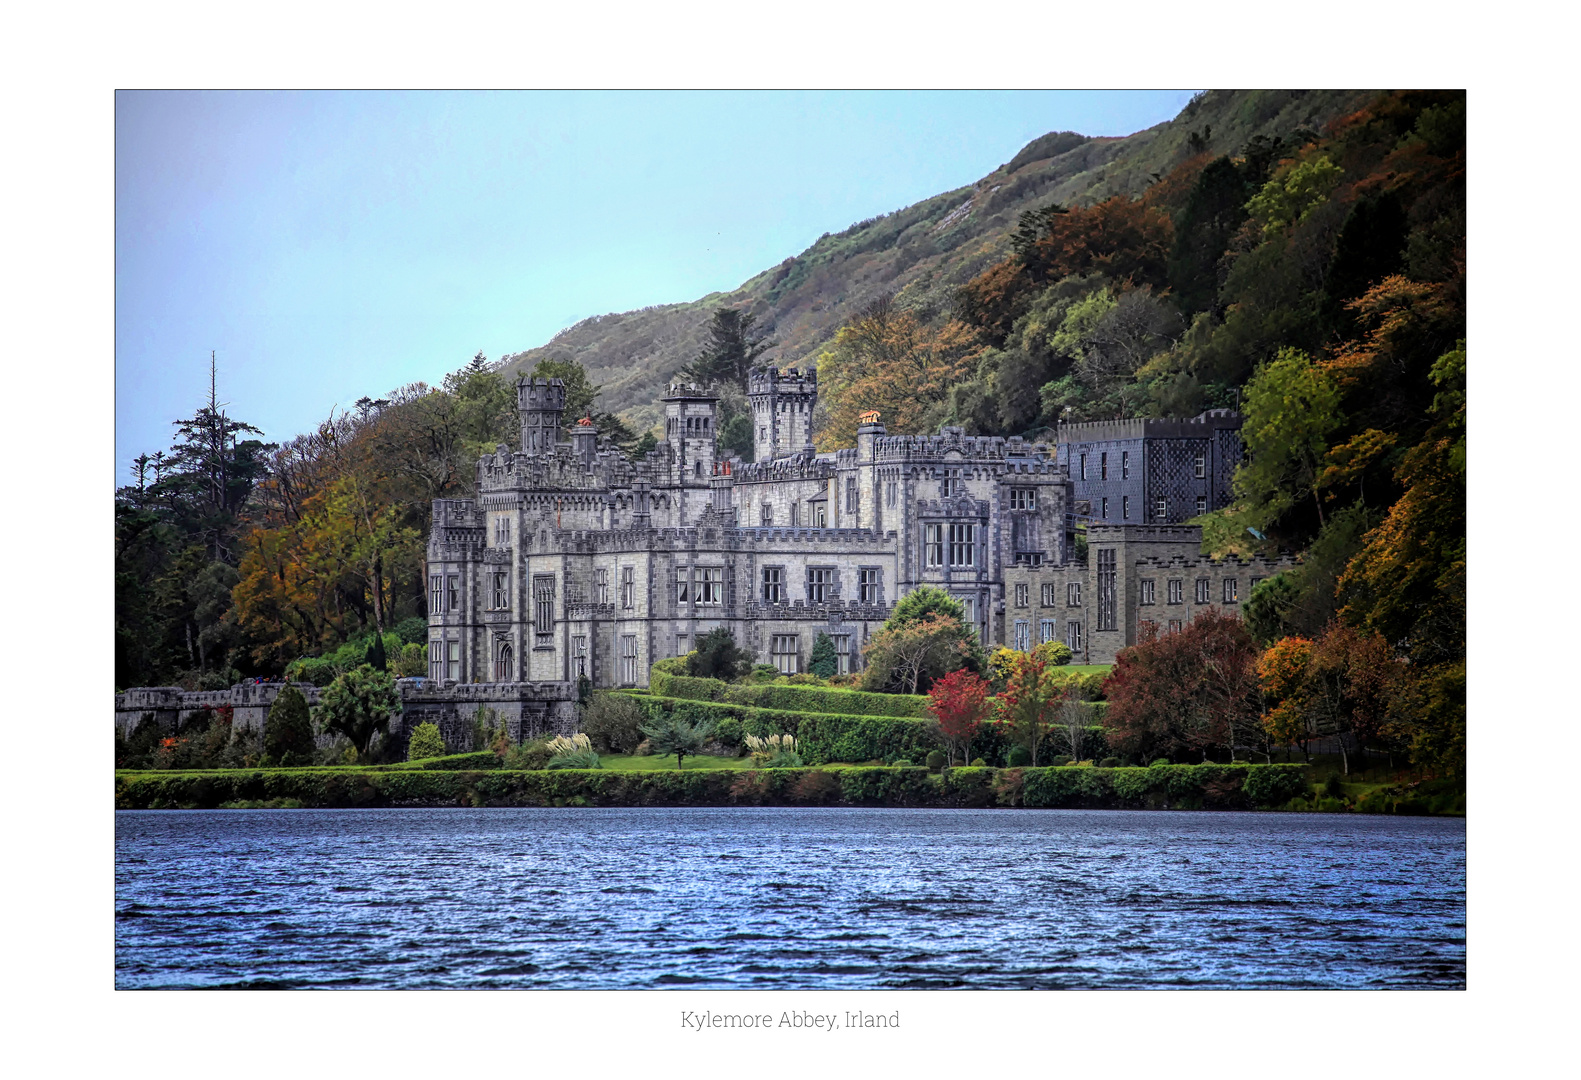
(528, 709)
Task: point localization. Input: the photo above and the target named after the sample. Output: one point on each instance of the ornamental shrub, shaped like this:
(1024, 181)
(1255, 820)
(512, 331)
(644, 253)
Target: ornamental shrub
(1054, 653)
(575, 752)
(1019, 756)
(613, 722)
(823, 662)
(359, 705)
(717, 656)
(728, 733)
(533, 754)
(935, 761)
(1108, 763)
(426, 742)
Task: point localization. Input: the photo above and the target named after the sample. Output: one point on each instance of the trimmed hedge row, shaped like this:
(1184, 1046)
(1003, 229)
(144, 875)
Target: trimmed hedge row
(1170, 786)
(826, 737)
(818, 699)
(479, 759)
(1176, 786)
(820, 738)
(833, 700)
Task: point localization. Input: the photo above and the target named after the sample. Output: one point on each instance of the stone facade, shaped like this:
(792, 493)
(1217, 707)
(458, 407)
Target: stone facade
(574, 560)
(1151, 472)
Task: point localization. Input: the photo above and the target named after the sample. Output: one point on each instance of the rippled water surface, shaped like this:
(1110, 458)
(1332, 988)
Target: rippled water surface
(786, 898)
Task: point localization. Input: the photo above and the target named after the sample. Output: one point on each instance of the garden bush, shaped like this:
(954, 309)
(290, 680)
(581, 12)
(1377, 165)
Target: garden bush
(1018, 757)
(821, 738)
(613, 722)
(935, 761)
(684, 686)
(426, 742)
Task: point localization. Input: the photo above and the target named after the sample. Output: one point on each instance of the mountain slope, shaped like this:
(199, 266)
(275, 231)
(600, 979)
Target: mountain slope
(921, 253)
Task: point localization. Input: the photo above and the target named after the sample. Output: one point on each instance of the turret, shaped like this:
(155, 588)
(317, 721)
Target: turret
(540, 403)
(584, 440)
(721, 486)
(690, 416)
(782, 405)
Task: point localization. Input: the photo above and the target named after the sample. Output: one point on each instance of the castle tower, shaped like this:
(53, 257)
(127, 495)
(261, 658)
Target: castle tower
(690, 416)
(584, 440)
(541, 404)
(782, 407)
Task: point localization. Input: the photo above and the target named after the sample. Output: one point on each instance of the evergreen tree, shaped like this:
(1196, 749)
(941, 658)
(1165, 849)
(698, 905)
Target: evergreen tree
(823, 662)
(732, 351)
(376, 657)
(288, 731)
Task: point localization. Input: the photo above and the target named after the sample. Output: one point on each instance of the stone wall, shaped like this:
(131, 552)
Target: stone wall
(528, 709)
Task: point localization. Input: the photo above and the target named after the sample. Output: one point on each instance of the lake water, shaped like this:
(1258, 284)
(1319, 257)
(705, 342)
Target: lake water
(787, 898)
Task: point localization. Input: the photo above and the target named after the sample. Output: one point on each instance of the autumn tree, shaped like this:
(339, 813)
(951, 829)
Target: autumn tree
(1408, 582)
(925, 637)
(1184, 694)
(959, 702)
(1030, 703)
(907, 656)
(1282, 677)
(889, 360)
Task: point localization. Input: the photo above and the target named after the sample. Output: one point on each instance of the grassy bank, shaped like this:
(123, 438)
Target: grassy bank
(1229, 787)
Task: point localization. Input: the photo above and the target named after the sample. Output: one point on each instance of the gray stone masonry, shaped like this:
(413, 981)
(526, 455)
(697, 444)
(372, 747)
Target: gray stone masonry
(528, 709)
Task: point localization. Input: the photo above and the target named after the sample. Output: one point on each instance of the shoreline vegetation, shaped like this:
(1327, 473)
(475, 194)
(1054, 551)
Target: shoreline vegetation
(459, 781)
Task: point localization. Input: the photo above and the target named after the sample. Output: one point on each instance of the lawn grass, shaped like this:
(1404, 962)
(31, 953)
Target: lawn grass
(1087, 669)
(654, 763)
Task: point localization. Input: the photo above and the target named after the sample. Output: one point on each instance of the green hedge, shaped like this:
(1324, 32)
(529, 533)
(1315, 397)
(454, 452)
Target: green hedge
(1169, 786)
(820, 737)
(827, 699)
(819, 699)
(1164, 786)
(480, 759)
(685, 686)
(823, 738)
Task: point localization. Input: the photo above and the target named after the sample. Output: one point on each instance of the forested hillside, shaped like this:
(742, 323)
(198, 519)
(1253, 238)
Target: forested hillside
(921, 254)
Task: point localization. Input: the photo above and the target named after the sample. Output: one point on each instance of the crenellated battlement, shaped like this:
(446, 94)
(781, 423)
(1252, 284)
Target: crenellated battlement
(955, 444)
(1142, 427)
(796, 467)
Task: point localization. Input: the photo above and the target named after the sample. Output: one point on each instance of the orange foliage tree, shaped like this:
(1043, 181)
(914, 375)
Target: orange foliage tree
(1282, 673)
(888, 360)
(1120, 238)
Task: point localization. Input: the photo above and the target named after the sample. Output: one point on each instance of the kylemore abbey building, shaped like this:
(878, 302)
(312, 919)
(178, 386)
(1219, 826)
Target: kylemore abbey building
(574, 560)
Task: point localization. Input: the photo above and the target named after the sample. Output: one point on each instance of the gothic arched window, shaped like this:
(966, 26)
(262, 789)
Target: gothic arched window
(503, 657)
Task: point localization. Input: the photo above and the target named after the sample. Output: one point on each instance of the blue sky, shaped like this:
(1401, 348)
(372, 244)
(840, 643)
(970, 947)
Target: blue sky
(331, 245)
